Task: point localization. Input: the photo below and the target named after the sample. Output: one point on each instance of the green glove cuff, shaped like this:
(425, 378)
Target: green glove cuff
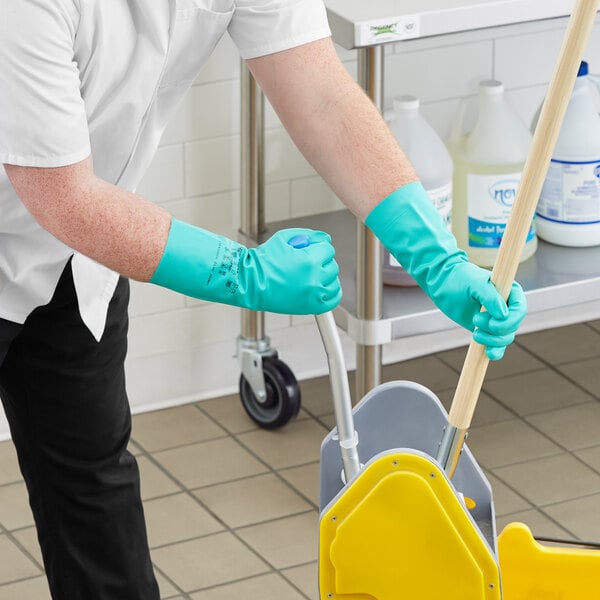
(200, 264)
(411, 228)
(274, 277)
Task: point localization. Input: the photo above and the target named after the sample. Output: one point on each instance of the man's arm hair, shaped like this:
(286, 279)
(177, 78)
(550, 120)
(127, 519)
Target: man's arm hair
(118, 229)
(334, 124)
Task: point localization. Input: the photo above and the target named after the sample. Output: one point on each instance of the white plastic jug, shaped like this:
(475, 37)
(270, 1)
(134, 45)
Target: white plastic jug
(433, 164)
(569, 206)
(488, 162)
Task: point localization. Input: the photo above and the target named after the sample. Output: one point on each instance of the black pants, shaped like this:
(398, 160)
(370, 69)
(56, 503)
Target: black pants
(65, 400)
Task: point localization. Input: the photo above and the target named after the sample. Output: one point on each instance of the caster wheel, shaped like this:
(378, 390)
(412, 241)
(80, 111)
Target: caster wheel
(282, 401)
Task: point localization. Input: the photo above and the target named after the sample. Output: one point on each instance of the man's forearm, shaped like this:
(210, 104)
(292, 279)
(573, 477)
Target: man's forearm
(116, 228)
(334, 124)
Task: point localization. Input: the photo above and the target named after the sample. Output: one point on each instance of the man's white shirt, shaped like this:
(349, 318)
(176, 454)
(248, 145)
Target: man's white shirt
(81, 77)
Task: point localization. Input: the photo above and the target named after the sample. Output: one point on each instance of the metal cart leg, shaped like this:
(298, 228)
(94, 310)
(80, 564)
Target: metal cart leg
(269, 391)
(368, 258)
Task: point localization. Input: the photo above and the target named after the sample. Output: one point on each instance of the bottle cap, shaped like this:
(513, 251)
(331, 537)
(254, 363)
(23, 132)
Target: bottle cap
(583, 69)
(406, 103)
(491, 87)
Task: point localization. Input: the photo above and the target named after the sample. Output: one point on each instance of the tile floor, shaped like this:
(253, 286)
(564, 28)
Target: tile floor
(232, 510)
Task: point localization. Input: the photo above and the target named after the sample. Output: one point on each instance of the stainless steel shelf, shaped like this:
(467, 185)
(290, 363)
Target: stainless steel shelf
(554, 277)
(357, 23)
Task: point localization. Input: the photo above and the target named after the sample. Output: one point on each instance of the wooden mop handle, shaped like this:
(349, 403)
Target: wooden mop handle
(532, 180)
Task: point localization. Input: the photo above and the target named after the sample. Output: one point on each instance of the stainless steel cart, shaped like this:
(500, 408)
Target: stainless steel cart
(554, 278)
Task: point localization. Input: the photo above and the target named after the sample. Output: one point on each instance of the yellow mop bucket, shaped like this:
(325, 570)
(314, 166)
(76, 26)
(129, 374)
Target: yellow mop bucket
(399, 526)
(532, 571)
(396, 527)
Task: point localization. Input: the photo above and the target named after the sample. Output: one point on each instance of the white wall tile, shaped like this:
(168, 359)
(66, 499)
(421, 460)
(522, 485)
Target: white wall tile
(212, 165)
(526, 60)
(223, 64)
(147, 299)
(283, 160)
(173, 330)
(215, 212)
(207, 111)
(311, 195)
(163, 180)
(278, 205)
(438, 73)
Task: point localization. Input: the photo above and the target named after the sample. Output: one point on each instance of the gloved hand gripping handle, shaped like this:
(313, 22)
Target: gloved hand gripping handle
(513, 241)
(342, 403)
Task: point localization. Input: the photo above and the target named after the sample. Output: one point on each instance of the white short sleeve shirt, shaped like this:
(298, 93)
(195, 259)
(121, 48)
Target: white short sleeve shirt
(93, 76)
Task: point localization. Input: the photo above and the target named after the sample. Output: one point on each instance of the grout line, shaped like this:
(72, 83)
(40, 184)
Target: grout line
(226, 527)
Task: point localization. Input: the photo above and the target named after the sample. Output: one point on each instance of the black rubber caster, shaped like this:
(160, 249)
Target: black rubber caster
(282, 401)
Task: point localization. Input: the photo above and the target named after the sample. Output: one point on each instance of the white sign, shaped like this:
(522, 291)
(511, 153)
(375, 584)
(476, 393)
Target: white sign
(382, 31)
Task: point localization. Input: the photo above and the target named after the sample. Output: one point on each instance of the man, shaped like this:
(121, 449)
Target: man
(86, 89)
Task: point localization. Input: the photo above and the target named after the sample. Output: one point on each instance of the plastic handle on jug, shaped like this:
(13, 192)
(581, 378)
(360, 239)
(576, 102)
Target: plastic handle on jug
(456, 127)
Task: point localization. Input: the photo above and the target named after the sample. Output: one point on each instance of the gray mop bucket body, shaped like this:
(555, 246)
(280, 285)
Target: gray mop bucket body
(402, 416)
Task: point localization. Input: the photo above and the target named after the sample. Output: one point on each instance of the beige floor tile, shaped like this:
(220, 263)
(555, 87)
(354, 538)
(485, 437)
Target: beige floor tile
(574, 428)
(563, 344)
(285, 542)
(252, 500)
(30, 589)
(28, 539)
(173, 427)
(316, 396)
(488, 411)
(539, 523)
(508, 442)
(305, 578)
(537, 391)
(154, 482)
(594, 324)
(580, 516)
(306, 479)
(427, 370)
(9, 467)
(591, 456)
(328, 421)
(177, 518)
(14, 564)
(167, 589)
(516, 360)
(297, 443)
(586, 373)
(208, 561)
(506, 501)
(229, 413)
(134, 449)
(210, 462)
(263, 587)
(551, 480)
(14, 506)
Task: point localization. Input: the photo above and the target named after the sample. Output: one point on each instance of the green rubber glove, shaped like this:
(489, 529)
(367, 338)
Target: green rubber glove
(410, 227)
(274, 277)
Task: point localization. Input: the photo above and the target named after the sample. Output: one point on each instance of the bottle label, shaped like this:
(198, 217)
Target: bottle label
(442, 200)
(489, 200)
(571, 193)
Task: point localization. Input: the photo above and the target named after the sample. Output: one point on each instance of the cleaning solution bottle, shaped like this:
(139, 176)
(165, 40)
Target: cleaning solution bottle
(569, 206)
(488, 162)
(433, 164)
